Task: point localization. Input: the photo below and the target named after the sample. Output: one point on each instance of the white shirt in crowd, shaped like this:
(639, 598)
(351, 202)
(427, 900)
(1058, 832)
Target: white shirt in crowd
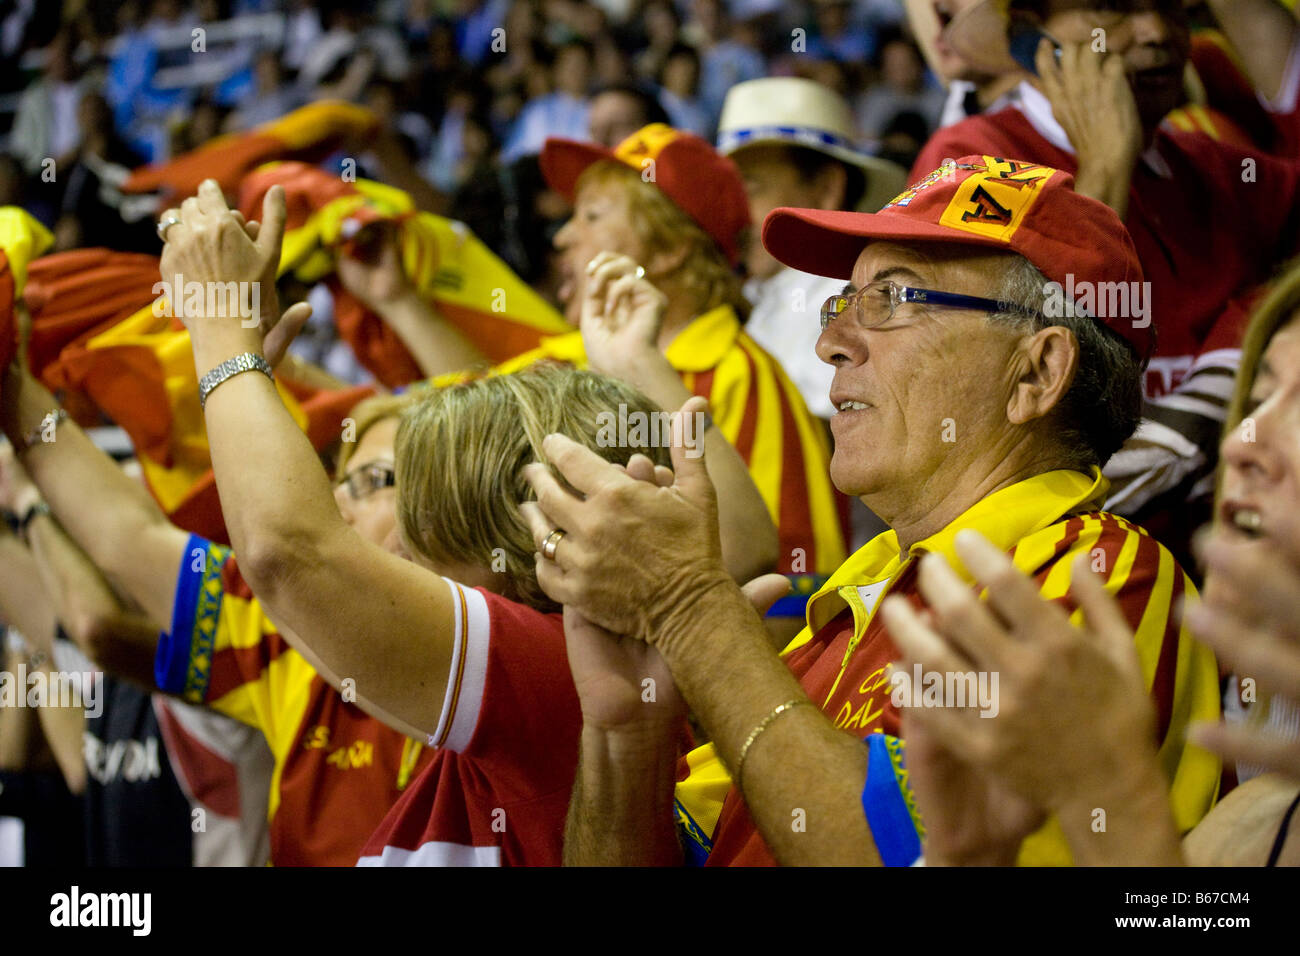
(786, 321)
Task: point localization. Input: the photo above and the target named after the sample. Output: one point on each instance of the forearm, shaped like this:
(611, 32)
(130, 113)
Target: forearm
(276, 499)
(437, 346)
(621, 813)
(64, 729)
(749, 537)
(91, 614)
(24, 605)
(801, 778)
(1264, 33)
(112, 518)
(365, 614)
(1125, 820)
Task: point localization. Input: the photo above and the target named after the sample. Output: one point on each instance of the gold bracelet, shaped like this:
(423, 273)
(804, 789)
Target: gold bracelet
(766, 722)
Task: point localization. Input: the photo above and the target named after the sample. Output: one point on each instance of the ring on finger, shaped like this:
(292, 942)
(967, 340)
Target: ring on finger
(164, 225)
(551, 543)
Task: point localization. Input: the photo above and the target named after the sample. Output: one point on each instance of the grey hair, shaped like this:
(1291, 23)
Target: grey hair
(1103, 405)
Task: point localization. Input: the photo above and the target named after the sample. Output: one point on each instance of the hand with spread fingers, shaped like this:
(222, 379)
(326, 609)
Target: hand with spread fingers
(627, 553)
(1251, 619)
(1073, 724)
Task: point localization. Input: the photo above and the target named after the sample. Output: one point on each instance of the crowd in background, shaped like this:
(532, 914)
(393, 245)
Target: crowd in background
(378, 651)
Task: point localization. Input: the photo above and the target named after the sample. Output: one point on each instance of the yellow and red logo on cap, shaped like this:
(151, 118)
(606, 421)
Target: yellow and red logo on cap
(645, 145)
(995, 200)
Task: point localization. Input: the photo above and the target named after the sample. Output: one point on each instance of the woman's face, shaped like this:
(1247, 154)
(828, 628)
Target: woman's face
(601, 222)
(365, 495)
(1261, 479)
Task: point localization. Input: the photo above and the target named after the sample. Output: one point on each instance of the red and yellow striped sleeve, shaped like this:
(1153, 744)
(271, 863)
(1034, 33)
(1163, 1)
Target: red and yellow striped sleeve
(1180, 673)
(759, 410)
(223, 651)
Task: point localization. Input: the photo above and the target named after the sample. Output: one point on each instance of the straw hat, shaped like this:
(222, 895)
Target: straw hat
(799, 112)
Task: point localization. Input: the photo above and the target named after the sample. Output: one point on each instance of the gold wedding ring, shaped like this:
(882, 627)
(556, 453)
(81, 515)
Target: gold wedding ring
(551, 543)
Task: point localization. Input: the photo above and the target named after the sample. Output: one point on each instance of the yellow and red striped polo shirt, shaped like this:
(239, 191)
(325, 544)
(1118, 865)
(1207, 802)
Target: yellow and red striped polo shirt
(760, 411)
(844, 657)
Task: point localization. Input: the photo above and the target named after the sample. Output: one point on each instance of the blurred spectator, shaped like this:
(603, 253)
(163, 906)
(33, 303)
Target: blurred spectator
(476, 25)
(441, 68)
(724, 61)
(271, 97)
(680, 81)
(302, 31)
(562, 112)
(46, 125)
(385, 100)
(836, 37)
(619, 110)
(663, 26)
(903, 87)
(94, 211)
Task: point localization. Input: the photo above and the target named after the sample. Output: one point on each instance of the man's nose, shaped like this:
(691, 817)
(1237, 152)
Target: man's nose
(842, 342)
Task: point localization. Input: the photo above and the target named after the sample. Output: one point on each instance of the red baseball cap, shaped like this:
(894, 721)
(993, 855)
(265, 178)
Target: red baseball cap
(699, 180)
(1076, 242)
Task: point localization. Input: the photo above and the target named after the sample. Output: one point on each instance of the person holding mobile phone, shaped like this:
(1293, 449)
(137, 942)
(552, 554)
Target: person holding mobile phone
(1210, 221)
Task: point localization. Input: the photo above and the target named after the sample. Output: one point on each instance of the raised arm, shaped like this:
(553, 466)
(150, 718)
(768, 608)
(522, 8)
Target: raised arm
(365, 614)
(111, 517)
(91, 614)
(1264, 32)
(620, 327)
(375, 277)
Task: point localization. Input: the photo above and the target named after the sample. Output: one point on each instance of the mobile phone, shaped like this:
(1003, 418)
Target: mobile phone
(1024, 37)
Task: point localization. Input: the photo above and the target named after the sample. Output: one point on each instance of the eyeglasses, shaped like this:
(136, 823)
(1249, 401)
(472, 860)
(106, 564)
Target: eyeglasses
(366, 480)
(875, 302)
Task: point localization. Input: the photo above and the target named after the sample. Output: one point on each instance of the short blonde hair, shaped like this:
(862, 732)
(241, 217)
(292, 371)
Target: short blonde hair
(461, 451)
(363, 414)
(661, 224)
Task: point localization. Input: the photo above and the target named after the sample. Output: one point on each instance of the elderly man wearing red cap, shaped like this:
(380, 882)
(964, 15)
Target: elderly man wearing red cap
(972, 392)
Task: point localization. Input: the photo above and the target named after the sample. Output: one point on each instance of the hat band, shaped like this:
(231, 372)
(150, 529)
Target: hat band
(731, 140)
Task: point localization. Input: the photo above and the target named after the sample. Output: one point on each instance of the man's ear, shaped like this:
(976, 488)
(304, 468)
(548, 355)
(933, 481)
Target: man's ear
(1049, 360)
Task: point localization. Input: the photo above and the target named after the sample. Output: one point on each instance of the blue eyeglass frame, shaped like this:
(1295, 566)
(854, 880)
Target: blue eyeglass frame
(899, 294)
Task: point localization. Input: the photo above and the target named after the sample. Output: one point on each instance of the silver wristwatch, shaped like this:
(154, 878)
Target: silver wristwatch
(247, 362)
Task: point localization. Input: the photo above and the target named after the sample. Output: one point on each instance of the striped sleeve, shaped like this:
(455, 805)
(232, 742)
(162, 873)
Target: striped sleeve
(759, 411)
(1175, 448)
(221, 649)
(1180, 673)
(468, 674)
